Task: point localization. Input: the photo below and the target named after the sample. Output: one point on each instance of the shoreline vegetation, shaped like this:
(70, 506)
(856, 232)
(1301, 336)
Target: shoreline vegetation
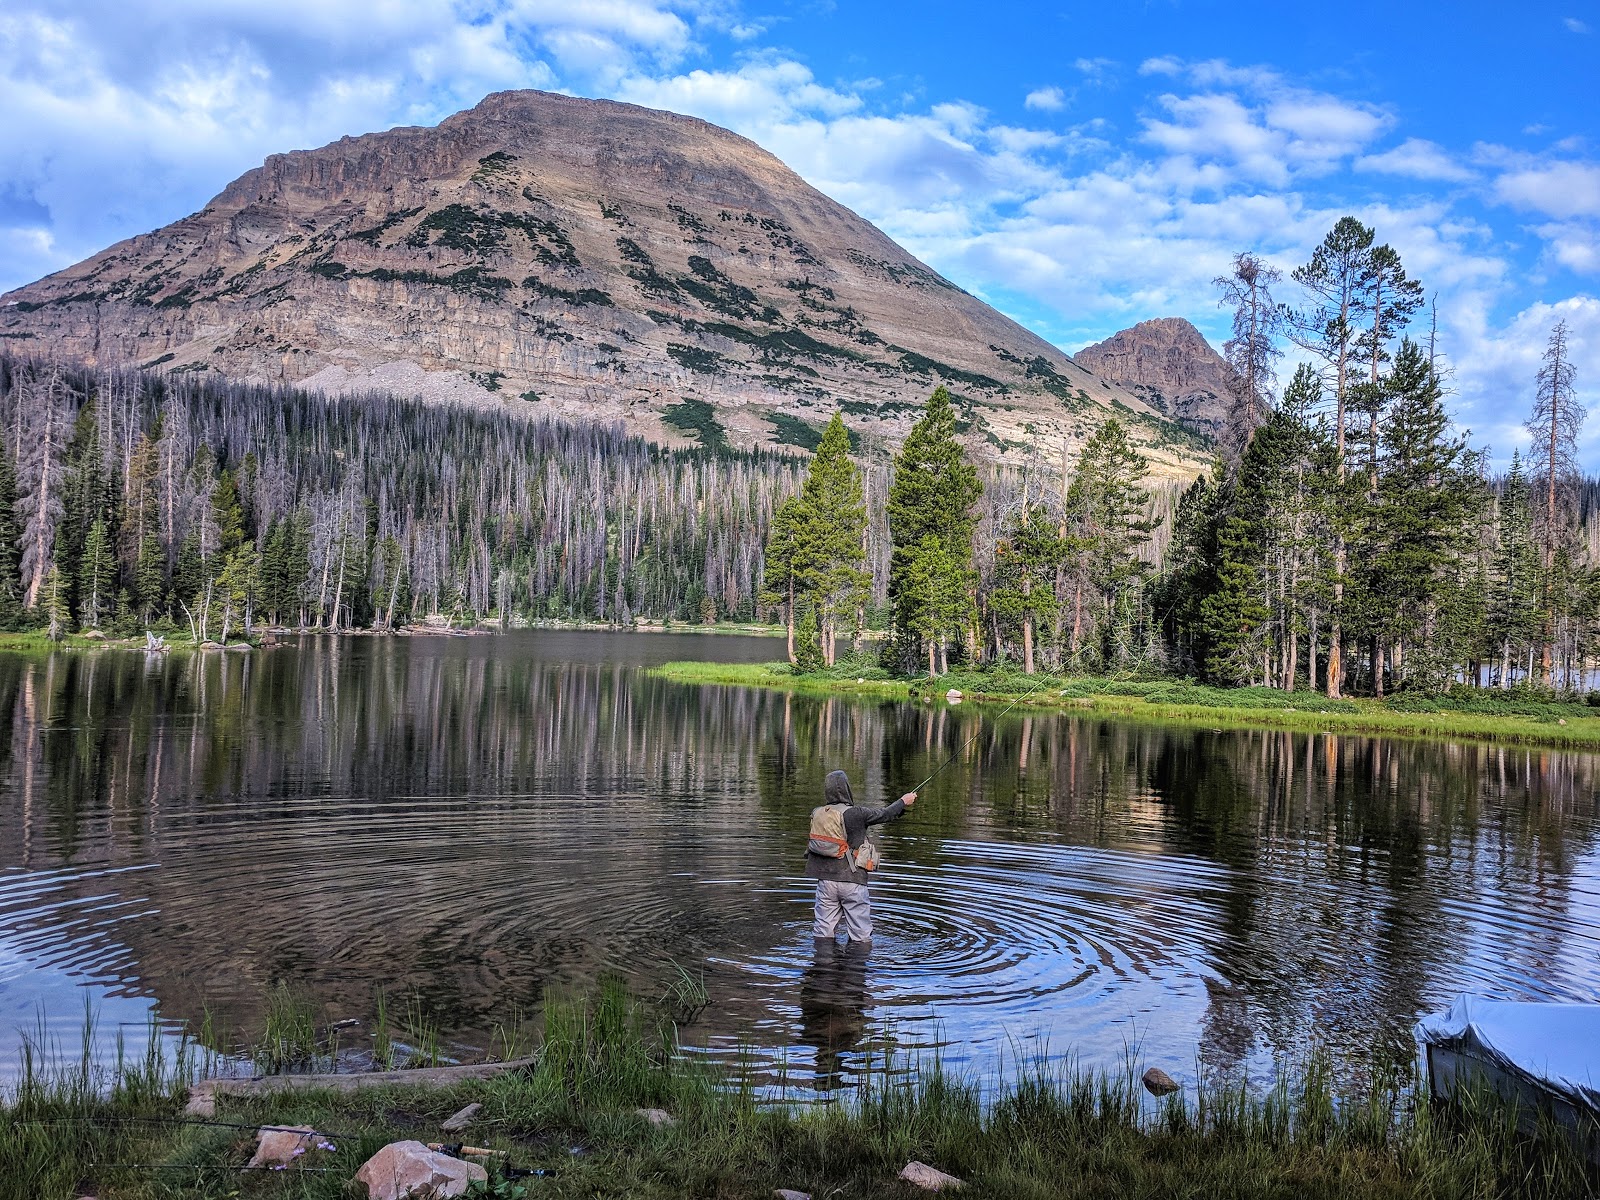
(1463, 715)
(175, 639)
(611, 1106)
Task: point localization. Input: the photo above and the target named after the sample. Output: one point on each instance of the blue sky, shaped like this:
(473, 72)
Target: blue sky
(1081, 166)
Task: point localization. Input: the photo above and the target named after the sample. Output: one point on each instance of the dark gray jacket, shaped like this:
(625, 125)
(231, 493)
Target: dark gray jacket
(836, 790)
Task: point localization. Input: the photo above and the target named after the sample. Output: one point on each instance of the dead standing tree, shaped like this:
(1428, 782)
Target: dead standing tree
(1555, 423)
(1252, 351)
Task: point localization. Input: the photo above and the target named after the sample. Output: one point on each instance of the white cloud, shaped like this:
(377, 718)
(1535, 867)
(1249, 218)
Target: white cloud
(1416, 158)
(1496, 363)
(138, 113)
(1164, 65)
(1047, 99)
(1559, 189)
(1574, 25)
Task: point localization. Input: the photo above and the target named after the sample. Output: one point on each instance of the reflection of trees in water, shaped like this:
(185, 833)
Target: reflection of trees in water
(1366, 870)
(1364, 873)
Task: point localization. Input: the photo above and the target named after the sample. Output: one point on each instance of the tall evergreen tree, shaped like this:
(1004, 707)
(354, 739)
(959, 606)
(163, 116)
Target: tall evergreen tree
(97, 577)
(1109, 514)
(1427, 501)
(1336, 280)
(932, 496)
(11, 589)
(834, 514)
(1514, 621)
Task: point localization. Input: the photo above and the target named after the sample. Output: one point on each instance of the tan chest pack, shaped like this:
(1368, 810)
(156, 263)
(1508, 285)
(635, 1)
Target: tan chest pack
(829, 841)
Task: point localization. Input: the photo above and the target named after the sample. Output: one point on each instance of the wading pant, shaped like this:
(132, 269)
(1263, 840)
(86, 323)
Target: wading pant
(846, 901)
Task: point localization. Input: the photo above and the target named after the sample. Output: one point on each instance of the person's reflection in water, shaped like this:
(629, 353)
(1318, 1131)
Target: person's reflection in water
(833, 1006)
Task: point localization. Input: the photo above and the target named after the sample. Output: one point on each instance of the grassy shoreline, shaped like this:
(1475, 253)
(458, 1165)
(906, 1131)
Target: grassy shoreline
(1555, 726)
(575, 1118)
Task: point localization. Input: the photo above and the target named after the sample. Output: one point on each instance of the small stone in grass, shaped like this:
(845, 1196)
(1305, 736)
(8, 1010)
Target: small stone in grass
(930, 1178)
(790, 1194)
(462, 1119)
(657, 1116)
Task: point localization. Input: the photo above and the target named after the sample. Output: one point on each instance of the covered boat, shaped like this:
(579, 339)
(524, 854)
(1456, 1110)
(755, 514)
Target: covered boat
(1544, 1057)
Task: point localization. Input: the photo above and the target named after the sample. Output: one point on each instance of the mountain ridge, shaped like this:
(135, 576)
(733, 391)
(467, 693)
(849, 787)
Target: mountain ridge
(598, 258)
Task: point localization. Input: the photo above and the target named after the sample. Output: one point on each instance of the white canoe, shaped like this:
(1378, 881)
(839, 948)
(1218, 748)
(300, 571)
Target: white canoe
(1544, 1057)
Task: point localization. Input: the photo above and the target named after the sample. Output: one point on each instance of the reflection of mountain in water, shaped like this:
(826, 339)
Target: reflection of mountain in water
(476, 819)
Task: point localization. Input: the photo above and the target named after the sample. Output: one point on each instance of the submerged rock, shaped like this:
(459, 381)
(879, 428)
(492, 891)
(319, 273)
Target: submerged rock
(410, 1169)
(930, 1178)
(1158, 1083)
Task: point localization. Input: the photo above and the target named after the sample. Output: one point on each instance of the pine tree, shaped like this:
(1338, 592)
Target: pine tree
(10, 533)
(1336, 278)
(935, 586)
(1108, 512)
(832, 513)
(1024, 596)
(53, 600)
(932, 496)
(97, 577)
(1189, 571)
(1514, 621)
(783, 563)
(1236, 615)
(1426, 504)
(149, 578)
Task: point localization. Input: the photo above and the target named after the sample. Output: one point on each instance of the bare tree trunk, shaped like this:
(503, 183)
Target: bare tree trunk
(789, 620)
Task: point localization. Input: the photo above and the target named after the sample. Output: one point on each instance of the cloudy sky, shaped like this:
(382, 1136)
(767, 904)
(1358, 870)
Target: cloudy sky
(1081, 166)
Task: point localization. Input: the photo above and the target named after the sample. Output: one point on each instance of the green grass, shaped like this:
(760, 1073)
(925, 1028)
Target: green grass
(1054, 1131)
(1175, 702)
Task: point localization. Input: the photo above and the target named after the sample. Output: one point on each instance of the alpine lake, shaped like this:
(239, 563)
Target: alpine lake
(462, 824)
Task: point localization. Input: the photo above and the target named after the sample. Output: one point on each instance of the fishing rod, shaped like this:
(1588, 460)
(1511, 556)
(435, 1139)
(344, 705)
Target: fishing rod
(968, 744)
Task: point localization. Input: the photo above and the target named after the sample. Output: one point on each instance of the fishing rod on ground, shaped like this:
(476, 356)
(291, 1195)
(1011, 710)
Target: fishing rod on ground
(967, 745)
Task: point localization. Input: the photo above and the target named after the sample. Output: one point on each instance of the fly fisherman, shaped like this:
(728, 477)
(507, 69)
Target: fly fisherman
(839, 857)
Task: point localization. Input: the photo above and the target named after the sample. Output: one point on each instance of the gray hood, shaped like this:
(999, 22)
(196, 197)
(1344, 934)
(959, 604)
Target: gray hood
(836, 789)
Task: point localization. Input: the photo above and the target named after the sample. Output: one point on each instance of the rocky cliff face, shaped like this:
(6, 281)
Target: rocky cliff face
(1170, 365)
(592, 258)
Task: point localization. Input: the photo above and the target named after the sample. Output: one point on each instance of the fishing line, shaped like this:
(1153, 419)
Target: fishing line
(968, 745)
(118, 1120)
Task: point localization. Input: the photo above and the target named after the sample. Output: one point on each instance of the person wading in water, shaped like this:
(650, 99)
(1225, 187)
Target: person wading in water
(839, 857)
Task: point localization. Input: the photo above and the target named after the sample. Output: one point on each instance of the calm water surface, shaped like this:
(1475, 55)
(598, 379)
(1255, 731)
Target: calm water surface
(470, 821)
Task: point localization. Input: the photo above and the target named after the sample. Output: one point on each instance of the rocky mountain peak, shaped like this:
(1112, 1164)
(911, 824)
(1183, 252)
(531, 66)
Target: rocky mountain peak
(1169, 364)
(593, 258)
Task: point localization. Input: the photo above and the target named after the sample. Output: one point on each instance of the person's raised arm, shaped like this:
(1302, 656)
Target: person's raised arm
(878, 816)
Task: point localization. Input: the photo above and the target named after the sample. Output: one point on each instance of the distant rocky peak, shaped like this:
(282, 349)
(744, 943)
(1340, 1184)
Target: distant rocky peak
(1169, 363)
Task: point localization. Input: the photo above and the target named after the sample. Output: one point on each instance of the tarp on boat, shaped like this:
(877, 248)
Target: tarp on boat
(1556, 1046)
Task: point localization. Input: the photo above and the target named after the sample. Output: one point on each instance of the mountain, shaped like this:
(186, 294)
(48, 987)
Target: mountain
(597, 259)
(1170, 365)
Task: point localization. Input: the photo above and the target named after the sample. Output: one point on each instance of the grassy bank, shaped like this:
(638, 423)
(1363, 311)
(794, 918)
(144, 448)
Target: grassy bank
(1509, 721)
(574, 1117)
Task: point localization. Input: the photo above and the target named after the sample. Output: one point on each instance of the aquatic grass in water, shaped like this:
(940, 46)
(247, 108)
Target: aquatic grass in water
(289, 1039)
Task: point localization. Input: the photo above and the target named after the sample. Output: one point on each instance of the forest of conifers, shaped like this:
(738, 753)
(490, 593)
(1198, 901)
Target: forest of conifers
(131, 500)
(1347, 538)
